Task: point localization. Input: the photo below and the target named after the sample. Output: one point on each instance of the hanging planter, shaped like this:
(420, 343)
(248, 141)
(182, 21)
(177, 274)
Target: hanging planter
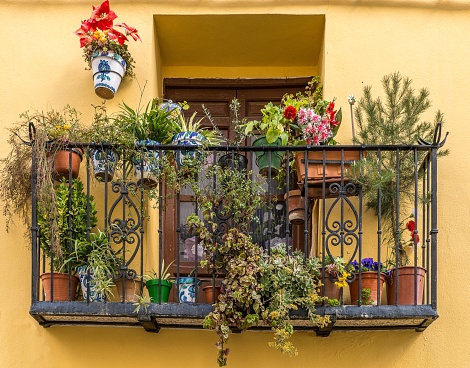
(188, 139)
(104, 162)
(108, 70)
(63, 165)
(105, 51)
(268, 160)
(234, 161)
(296, 206)
(146, 164)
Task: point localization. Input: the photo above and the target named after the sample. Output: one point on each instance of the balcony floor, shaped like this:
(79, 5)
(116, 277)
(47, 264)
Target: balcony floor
(190, 316)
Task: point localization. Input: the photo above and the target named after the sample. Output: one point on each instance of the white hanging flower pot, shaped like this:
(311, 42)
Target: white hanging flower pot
(108, 70)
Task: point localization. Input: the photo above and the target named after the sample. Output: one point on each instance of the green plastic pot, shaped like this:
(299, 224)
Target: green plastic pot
(264, 162)
(154, 286)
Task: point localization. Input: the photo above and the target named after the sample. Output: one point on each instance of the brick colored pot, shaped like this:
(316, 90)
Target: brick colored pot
(406, 286)
(369, 281)
(56, 286)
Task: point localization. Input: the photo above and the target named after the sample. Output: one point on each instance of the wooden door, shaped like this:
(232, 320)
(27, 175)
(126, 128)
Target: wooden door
(216, 95)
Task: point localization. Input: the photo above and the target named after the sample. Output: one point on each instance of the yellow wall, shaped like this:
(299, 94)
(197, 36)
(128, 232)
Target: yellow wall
(41, 66)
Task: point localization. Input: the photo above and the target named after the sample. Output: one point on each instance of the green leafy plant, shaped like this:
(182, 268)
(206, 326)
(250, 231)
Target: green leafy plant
(154, 123)
(163, 274)
(289, 281)
(191, 124)
(39, 134)
(236, 196)
(99, 259)
(75, 215)
(393, 120)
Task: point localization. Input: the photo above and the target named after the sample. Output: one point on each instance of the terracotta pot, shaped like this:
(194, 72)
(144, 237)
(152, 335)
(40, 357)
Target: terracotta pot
(316, 173)
(211, 293)
(296, 207)
(62, 163)
(369, 281)
(56, 287)
(131, 290)
(406, 286)
(331, 290)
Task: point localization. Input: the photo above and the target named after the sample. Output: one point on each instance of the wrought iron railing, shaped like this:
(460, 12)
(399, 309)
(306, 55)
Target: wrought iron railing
(333, 221)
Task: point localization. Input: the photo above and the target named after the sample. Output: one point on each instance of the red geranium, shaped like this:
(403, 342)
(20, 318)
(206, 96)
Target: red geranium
(410, 225)
(290, 112)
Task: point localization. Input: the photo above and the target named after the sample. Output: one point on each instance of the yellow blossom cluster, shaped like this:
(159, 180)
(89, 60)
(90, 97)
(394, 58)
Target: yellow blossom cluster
(341, 283)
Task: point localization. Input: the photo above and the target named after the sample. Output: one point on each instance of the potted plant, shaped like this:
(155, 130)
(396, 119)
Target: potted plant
(150, 128)
(111, 140)
(336, 276)
(105, 51)
(233, 159)
(96, 262)
(368, 273)
(395, 122)
(405, 283)
(43, 135)
(159, 284)
(189, 132)
(59, 230)
(63, 127)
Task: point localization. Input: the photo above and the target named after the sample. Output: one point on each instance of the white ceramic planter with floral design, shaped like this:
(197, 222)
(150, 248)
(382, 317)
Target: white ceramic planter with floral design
(108, 70)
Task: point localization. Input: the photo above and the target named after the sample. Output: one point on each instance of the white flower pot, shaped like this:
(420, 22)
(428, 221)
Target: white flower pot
(108, 70)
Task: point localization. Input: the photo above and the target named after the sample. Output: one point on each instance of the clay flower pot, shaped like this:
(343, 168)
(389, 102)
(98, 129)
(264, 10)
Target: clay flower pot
(62, 163)
(56, 286)
(406, 286)
(296, 206)
(369, 281)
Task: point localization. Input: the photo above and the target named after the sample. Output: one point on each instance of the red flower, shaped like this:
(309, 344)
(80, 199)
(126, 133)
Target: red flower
(102, 16)
(330, 111)
(117, 36)
(290, 112)
(410, 225)
(130, 31)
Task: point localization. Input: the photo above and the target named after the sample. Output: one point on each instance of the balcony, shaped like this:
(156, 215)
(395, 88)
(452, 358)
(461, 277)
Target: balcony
(335, 220)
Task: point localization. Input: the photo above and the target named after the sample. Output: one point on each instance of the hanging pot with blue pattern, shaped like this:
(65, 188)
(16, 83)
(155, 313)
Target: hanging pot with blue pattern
(104, 161)
(189, 140)
(146, 164)
(108, 70)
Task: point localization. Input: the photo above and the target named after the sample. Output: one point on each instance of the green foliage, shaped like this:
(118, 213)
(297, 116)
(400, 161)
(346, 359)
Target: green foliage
(163, 274)
(393, 120)
(72, 223)
(153, 123)
(99, 258)
(289, 282)
(191, 124)
(240, 305)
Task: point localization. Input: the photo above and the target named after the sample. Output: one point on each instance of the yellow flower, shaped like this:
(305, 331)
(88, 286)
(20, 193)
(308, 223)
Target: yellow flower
(66, 126)
(342, 280)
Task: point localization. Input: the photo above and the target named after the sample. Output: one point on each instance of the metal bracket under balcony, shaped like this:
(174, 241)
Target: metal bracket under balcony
(190, 316)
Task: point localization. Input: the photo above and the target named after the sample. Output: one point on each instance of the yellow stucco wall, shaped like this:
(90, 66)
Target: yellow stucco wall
(41, 66)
